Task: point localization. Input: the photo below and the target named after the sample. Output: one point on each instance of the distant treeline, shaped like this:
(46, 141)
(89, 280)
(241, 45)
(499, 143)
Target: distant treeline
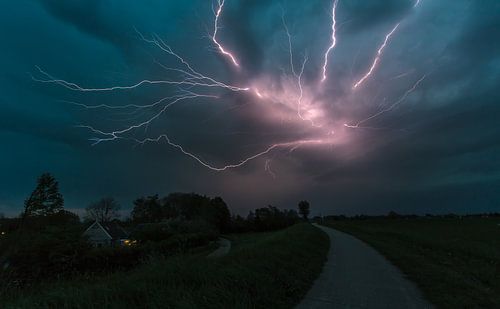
(394, 215)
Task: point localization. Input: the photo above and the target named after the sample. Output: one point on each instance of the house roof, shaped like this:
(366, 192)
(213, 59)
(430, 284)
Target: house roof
(112, 229)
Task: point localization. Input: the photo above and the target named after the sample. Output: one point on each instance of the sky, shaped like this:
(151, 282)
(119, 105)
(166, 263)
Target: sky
(420, 134)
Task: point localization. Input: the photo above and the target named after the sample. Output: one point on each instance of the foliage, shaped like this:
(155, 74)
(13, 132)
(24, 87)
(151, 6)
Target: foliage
(104, 210)
(264, 270)
(148, 210)
(45, 199)
(184, 206)
(268, 218)
(52, 247)
(42, 251)
(271, 218)
(304, 209)
(161, 231)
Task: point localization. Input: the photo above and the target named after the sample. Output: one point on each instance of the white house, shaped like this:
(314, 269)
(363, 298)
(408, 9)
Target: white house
(106, 234)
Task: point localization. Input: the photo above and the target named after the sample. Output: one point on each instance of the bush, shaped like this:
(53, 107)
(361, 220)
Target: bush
(268, 218)
(29, 256)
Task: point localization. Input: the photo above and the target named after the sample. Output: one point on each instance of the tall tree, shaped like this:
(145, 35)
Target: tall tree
(104, 210)
(304, 209)
(45, 199)
(222, 215)
(147, 209)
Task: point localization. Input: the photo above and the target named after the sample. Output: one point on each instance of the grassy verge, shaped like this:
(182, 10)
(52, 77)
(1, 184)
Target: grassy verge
(456, 262)
(271, 270)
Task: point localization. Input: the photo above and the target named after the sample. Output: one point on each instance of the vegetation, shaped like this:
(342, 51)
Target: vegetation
(45, 199)
(191, 206)
(46, 243)
(266, 270)
(455, 261)
(104, 210)
(304, 209)
(263, 219)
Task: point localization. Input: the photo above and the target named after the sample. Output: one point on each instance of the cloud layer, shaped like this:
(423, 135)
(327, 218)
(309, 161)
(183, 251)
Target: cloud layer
(437, 151)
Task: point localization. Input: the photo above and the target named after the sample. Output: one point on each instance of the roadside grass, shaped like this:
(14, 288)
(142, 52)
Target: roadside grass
(455, 262)
(268, 270)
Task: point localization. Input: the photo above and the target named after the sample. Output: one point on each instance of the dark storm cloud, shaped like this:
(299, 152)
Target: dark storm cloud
(437, 152)
(364, 15)
(86, 15)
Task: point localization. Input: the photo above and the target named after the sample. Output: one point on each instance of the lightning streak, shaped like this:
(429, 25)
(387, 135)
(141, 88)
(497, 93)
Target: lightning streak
(390, 107)
(290, 46)
(291, 145)
(112, 135)
(191, 84)
(294, 72)
(222, 50)
(186, 82)
(192, 74)
(377, 58)
(267, 168)
(333, 40)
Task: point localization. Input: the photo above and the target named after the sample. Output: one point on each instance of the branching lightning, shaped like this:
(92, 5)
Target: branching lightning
(297, 96)
(390, 107)
(286, 145)
(298, 76)
(218, 13)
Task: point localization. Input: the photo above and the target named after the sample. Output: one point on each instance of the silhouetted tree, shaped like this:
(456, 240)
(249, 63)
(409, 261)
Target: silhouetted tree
(147, 210)
(304, 209)
(267, 219)
(222, 216)
(104, 210)
(45, 199)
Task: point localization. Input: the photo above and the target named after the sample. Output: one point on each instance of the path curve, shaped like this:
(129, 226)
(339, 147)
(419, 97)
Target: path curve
(357, 276)
(224, 247)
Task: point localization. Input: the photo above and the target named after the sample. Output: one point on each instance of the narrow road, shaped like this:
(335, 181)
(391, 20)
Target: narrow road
(224, 248)
(357, 276)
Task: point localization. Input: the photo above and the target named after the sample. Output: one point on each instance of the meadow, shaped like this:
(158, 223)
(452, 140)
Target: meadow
(262, 270)
(454, 261)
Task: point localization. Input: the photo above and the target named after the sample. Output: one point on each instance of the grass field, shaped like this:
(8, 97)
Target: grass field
(455, 262)
(268, 270)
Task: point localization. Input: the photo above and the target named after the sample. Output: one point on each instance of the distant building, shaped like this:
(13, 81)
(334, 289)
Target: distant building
(106, 234)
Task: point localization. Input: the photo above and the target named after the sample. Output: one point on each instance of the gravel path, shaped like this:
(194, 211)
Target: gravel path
(357, 276)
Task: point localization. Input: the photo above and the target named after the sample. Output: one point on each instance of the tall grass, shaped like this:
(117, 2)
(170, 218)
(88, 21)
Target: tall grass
(271, 270)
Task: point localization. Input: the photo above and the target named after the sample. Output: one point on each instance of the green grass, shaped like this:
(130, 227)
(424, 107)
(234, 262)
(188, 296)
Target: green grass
(269, 270)
(455, 262)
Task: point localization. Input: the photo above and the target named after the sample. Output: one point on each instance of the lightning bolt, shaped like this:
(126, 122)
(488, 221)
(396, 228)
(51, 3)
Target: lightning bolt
(186, 82)
(267, 168)
(377, 58)
(298, 76)
(192, 84)
(290, 145)
(379, 53)
(390, 107)
(222, 50)
(333, 40)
